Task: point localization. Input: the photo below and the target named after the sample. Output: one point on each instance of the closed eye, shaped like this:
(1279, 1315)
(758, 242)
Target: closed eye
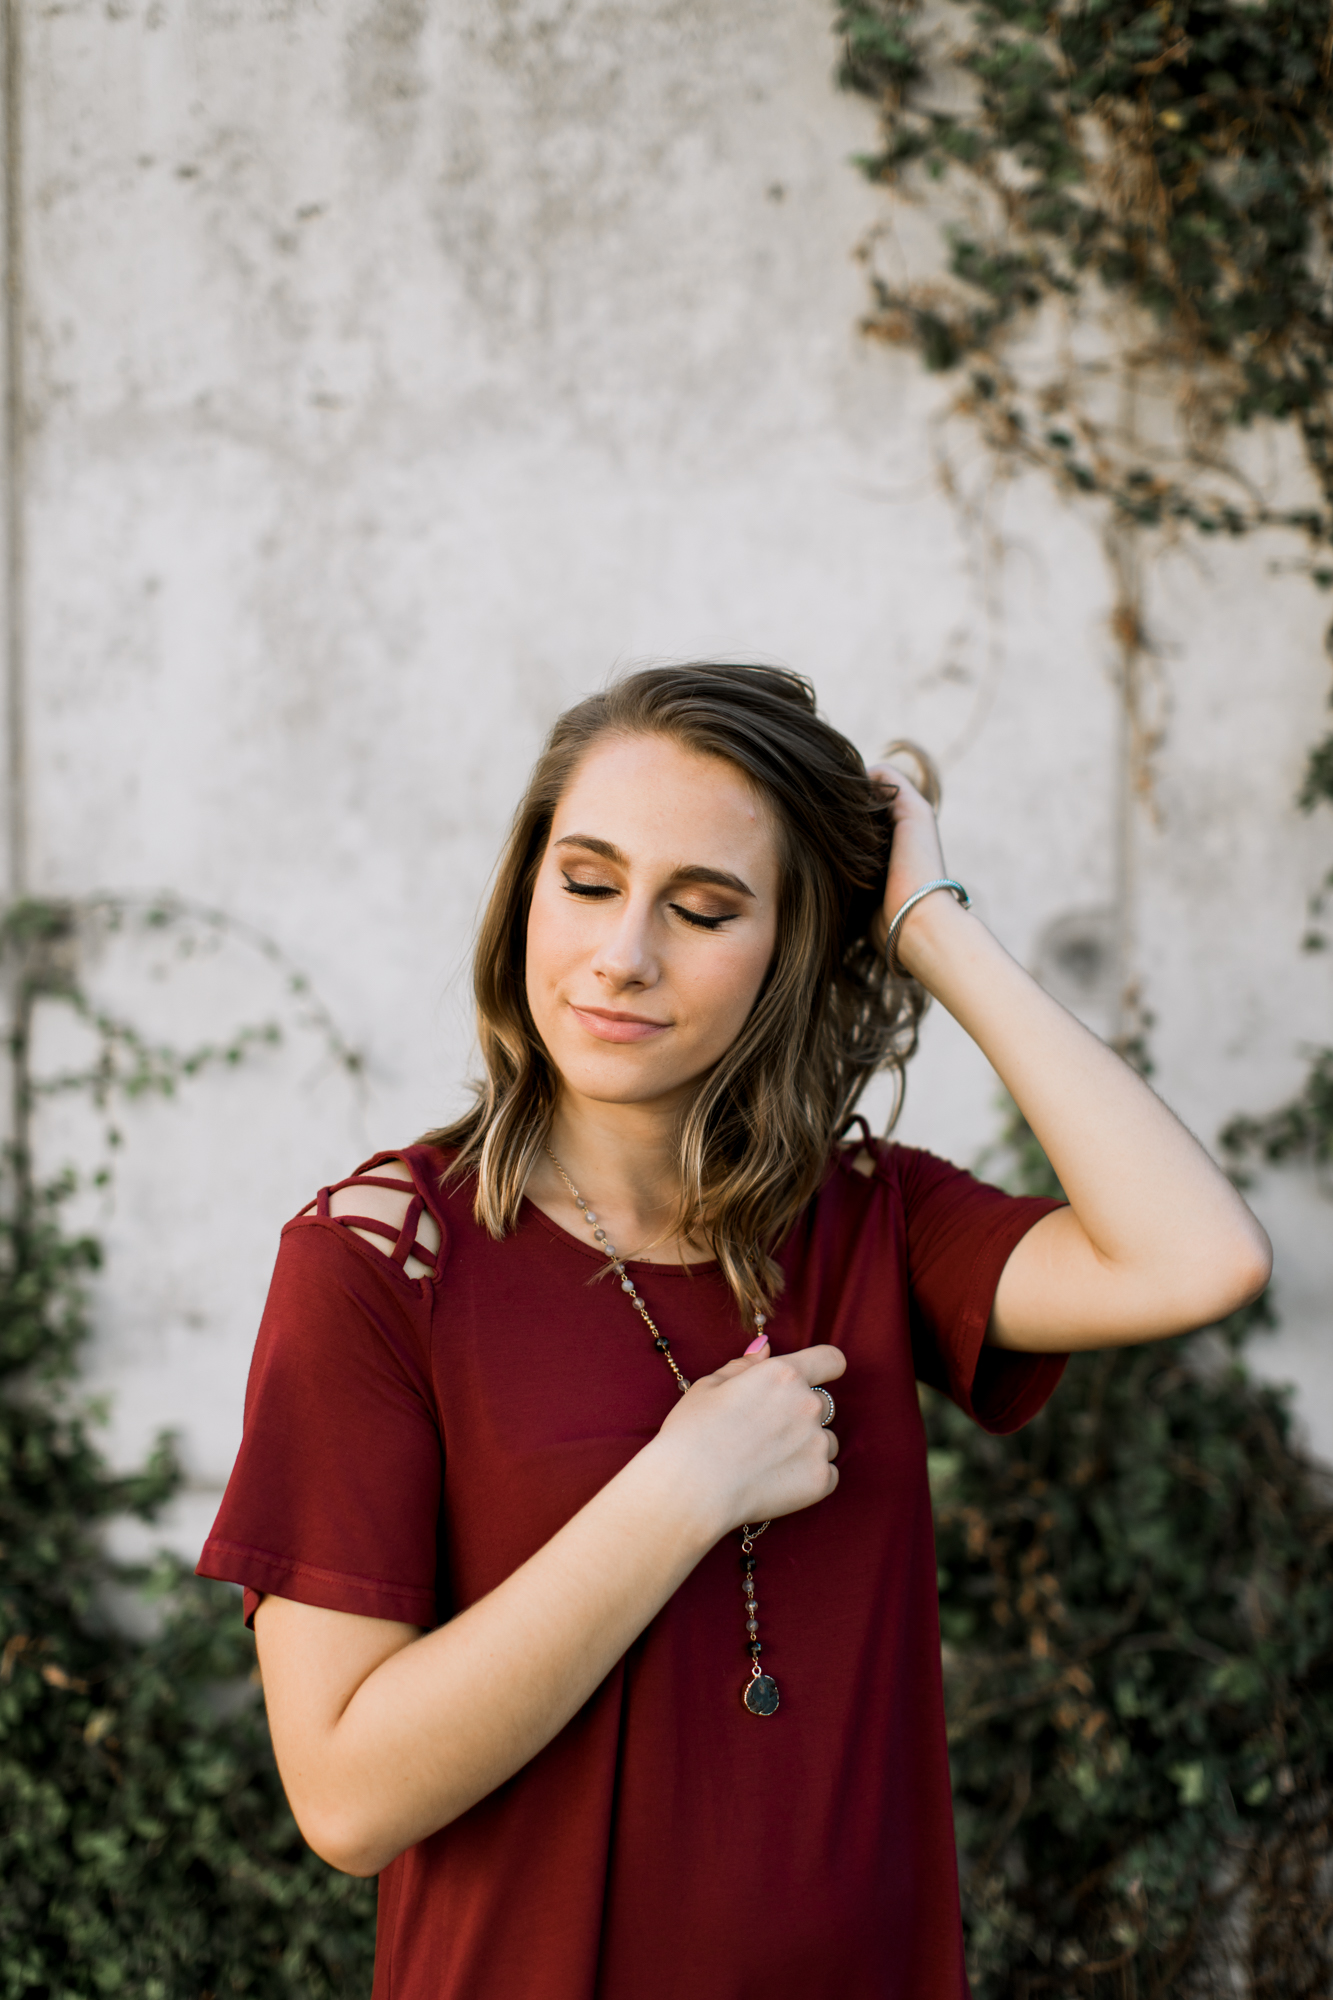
(701, 922)
(599, 891)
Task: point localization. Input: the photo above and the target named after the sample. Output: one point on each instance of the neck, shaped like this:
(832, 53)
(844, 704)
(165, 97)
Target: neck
(622, 1159)
(624, 1151)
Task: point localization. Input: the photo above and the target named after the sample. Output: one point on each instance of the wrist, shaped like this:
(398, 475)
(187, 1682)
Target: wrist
(930, 933)
(679, 1494)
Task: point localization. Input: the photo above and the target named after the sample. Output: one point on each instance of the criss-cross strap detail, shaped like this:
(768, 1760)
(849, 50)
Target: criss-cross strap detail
(405, 1241)
(857, 1152)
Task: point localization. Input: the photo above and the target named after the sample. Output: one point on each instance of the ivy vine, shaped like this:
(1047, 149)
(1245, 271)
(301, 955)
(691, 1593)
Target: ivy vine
(1153, 187)
(1156, 185)
(1168, 165)
(43, 945)
(146, 1847)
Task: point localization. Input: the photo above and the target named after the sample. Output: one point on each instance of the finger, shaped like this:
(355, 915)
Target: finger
(730, 1369)
(905, 799)
(905, 755)
(818, 1364)
(894, 777)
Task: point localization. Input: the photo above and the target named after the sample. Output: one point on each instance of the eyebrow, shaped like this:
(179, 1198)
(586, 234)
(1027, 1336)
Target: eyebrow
(717, 877)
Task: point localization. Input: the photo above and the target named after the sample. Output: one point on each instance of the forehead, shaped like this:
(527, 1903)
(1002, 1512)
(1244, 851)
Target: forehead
(661, 802)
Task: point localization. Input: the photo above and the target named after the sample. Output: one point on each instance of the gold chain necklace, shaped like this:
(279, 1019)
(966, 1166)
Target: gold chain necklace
(760, 1692)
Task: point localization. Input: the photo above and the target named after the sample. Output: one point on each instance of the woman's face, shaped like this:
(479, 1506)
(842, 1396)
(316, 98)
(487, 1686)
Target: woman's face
(653, 919)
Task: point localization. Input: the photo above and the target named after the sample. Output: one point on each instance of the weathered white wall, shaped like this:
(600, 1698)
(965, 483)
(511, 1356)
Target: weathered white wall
(391, 373)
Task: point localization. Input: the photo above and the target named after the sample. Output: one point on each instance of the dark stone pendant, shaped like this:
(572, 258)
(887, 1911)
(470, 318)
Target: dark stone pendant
(760, 1695)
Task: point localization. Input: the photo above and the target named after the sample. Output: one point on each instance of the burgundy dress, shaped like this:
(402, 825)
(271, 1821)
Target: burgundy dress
(410, 1441)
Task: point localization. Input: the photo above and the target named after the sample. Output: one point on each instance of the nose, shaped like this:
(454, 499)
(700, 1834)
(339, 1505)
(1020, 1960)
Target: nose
(624, 956)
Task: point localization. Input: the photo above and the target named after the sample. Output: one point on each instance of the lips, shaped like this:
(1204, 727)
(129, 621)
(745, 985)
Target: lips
(610, 1027)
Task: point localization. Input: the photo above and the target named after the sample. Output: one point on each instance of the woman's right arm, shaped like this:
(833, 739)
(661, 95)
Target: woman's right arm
(383, 1734)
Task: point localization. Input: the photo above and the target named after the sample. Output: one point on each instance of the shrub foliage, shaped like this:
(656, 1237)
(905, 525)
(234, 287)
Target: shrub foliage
(146, 1848)
(1138, 1645)
(145, 1845)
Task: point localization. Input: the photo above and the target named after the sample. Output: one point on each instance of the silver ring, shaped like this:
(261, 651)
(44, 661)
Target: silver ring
(824, 1422)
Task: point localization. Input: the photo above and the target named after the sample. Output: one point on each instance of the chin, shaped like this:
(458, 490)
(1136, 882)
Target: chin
(620, 1082)
(601, 1089)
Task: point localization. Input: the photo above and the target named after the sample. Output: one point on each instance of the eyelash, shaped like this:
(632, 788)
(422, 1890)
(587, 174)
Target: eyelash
(596, 891)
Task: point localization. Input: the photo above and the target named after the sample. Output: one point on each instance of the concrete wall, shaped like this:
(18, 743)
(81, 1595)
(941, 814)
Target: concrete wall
(388, 373)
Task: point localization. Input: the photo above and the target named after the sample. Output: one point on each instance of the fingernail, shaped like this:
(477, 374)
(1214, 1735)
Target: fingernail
(760, 1340)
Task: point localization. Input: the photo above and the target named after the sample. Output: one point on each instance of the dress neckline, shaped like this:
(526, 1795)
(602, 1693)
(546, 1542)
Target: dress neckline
(590, 1250)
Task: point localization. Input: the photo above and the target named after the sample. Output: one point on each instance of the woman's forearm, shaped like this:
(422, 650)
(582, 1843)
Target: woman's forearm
(1156, 1239)
(436, 1722)
(383, 1736)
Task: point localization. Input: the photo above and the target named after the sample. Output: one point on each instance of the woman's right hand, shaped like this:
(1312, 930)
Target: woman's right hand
(748, 1441)
(383, 1734)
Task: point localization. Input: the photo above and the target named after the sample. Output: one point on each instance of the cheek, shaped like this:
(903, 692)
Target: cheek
(561, 940)
(546, 948)
(758, 965)
(728, 990)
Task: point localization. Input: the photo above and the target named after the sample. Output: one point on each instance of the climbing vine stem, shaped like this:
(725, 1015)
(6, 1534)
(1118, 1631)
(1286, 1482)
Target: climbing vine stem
(1151, 186)
(44, 948)
(1135, 281)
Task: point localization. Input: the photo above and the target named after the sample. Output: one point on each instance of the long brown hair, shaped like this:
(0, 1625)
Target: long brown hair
(755, 1139)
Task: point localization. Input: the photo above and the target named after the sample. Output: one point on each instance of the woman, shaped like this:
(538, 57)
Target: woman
(579, 1623)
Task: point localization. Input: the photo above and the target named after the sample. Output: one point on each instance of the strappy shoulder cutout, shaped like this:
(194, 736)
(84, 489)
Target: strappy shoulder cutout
(856, 1150)
(384, 1208)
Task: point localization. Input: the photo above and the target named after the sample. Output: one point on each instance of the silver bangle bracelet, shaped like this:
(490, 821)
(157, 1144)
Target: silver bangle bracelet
(927, 889)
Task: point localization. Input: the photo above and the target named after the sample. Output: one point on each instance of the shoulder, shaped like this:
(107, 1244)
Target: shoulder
(866, 1171)
(859, 1190)
(389, 1203)
(940, 1203)
(862, 1158)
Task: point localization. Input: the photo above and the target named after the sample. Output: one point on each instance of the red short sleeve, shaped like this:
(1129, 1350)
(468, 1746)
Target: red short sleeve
(334, 1498)
(960, 1233)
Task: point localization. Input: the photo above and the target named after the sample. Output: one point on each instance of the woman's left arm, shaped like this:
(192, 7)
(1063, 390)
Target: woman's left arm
(1155, 1239)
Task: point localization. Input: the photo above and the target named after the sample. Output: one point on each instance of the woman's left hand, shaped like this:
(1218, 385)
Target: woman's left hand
(916, 856)
(1155, 1240)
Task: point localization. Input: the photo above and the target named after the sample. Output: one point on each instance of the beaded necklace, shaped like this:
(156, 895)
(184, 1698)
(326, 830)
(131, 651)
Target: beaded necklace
(760, 1692)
